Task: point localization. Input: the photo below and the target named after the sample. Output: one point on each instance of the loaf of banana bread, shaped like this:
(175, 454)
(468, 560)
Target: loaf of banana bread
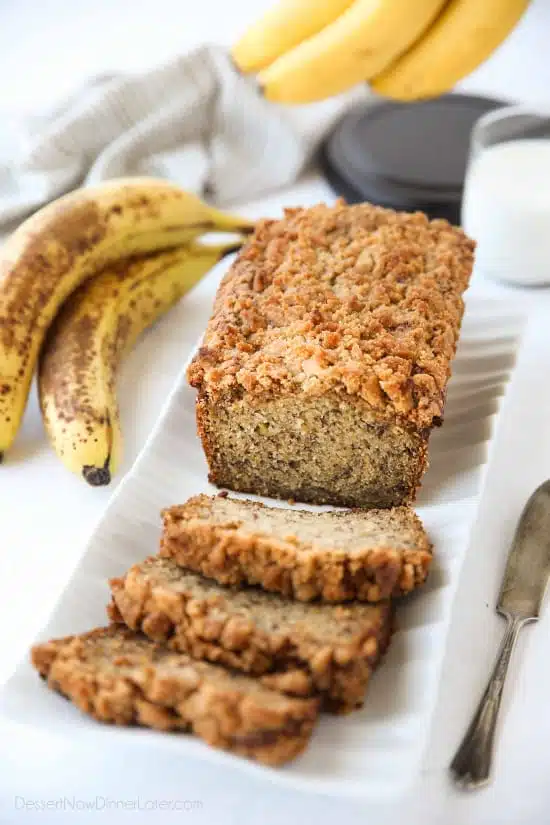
(325, 364)
(298, 649)
(119, 676)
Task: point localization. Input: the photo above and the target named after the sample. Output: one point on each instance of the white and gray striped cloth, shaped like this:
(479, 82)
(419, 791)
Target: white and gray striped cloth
(196, 120)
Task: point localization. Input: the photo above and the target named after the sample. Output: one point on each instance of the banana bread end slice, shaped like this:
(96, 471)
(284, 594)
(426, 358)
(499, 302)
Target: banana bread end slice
(121, 677)
(368, 555)
(299, 649)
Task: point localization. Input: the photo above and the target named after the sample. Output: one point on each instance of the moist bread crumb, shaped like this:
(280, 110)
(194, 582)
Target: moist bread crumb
(368, 555)
(297, 648)
(325, 364)
(119, 676)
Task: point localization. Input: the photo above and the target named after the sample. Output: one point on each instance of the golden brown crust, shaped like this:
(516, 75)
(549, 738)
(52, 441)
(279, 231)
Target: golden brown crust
(303, 649)
(357, 300)
(234, 554)
(121, 677)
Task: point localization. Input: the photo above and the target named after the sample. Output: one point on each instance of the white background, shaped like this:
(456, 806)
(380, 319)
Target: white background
(47, 47)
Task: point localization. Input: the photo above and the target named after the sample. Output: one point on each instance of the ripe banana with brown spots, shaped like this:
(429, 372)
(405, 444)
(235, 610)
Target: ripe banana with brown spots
(96, 326)
(70, 240)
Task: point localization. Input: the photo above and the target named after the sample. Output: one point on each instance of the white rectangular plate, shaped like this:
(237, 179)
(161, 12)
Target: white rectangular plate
(377, 751)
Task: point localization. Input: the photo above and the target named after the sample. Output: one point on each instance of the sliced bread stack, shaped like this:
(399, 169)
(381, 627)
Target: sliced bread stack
(248, 621)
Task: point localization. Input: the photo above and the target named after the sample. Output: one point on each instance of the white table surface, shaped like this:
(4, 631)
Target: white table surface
(46, 49)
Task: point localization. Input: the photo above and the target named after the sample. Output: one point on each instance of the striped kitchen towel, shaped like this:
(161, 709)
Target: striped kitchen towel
(196, 120)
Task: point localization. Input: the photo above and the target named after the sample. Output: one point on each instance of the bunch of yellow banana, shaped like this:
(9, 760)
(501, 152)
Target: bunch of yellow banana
(65, 245)
(306, 50)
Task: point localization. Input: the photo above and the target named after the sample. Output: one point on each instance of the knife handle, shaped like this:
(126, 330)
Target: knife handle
(471, 765)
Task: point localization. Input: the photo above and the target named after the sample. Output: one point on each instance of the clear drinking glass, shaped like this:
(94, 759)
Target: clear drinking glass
(506, 201)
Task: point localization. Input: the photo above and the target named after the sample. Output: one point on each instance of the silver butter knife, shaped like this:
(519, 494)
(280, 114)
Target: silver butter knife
(527, 572)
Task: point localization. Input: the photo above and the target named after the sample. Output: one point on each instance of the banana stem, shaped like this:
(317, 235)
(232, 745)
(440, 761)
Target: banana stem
(229, 249)
(228, 222)
(223, 249)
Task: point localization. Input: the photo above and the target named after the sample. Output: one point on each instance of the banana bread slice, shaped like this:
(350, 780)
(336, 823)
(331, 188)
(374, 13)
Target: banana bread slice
(302, 649)
(325, 364)
(335, 556)
(119, 676)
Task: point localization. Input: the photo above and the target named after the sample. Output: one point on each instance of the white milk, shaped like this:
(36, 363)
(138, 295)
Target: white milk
(506, 209)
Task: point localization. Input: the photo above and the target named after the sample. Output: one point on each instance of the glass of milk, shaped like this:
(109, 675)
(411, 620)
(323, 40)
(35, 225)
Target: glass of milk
(506, 201)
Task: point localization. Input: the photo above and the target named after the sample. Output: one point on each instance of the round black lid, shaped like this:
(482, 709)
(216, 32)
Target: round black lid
(405, 155)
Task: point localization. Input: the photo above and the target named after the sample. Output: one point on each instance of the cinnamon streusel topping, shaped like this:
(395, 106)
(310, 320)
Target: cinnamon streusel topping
(359, 300)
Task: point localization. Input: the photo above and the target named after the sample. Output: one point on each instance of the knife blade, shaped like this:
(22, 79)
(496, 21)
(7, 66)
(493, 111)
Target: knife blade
(528, 566)
(525, 579)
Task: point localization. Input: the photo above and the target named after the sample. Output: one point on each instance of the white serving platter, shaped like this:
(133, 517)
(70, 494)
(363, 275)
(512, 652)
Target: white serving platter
(376, 752)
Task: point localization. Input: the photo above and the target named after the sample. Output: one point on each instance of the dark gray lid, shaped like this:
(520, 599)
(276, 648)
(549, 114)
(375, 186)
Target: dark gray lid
(405, 155)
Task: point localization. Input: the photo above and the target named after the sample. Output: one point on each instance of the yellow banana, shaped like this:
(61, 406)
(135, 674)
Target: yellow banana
(70, 240)
(281, 28)
(461, 38)
(96, 326)
(358, 45)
